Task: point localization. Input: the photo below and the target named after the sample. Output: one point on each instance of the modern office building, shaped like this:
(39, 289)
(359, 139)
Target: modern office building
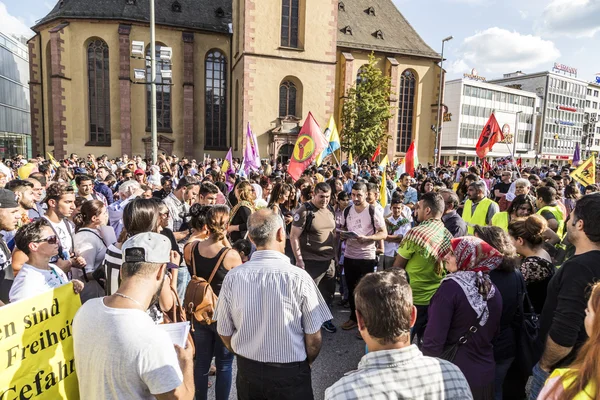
(591, 126)
(561, 110)
(470, 101)
(15, 124)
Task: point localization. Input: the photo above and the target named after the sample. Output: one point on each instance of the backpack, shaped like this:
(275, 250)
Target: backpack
(371, 214)
(200, 299)
(310, 215)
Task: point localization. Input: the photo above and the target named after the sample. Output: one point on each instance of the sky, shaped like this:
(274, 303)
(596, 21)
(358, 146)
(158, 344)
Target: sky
(492, 36)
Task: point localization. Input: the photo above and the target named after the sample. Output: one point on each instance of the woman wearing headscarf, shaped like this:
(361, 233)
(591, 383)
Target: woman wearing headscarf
(465, 312)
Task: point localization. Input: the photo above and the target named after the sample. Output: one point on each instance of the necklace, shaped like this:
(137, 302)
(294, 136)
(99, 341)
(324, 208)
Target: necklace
(130, 298)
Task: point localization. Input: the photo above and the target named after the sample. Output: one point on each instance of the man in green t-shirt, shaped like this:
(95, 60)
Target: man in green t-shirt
(421, 253)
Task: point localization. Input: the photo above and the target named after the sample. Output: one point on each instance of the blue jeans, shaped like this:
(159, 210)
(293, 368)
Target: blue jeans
(502, 367)
(537, 381)
(183, 278)
(209, 344)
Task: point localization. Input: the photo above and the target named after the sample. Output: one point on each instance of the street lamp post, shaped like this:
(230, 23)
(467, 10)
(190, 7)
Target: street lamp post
(516, 135)
(153, 118)
(437, 155)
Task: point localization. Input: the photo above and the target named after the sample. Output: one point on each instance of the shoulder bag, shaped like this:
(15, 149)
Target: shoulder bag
(528, 327)
(449, 352)
(200, 299)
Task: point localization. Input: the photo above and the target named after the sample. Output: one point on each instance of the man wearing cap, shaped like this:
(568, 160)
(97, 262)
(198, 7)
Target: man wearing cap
(10, 214)
(119, 352)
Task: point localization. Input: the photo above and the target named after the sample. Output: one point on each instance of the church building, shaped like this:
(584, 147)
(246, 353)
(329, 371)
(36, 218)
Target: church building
(263, 62)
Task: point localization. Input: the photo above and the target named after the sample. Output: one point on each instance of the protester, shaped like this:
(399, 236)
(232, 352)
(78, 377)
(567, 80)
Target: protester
(521, 206)
(398, 224)
(478, 209)
(363, 227)
(421, 253)
(205, 259)
(562, 331)
(39, 243)
(467, 304)
(580, 379)
(91, 241)
(287, 320)
(240, 213)
(536, 266)
(394, 368)
(452, 221)
(119, 352)
(312, 240)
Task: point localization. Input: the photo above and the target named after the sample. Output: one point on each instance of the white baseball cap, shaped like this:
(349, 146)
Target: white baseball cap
(147, 247)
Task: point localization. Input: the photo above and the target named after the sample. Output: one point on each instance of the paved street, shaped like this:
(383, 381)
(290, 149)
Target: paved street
(341, 352)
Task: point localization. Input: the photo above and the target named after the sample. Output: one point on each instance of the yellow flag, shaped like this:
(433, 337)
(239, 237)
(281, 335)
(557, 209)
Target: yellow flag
(350, 159)
(384, 163)
(53, 160)
(585, 174)
(383, 191)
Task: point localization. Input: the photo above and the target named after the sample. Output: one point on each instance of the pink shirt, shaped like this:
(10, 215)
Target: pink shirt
(361, 225)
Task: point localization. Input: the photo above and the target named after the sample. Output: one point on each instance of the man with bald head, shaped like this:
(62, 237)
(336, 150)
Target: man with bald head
(269, 314)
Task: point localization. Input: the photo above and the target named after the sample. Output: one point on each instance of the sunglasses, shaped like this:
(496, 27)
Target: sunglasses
(50, 239)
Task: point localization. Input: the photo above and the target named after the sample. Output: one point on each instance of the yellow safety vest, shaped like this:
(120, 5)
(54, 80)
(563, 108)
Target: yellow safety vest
(590, 388)
(480, 213)
(559, 218)
(501, 220)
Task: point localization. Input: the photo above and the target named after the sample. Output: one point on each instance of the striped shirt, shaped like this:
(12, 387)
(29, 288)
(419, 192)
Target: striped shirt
(267, 306)
(113, 260)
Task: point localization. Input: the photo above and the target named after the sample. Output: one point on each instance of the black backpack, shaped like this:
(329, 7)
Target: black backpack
(371, 214)
(310, 216)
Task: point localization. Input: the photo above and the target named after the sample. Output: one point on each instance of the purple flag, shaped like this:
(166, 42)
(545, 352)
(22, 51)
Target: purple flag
(251, 156)
(577, 155)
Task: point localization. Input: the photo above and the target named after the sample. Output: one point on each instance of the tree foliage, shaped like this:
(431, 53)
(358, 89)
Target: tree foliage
(366, 112)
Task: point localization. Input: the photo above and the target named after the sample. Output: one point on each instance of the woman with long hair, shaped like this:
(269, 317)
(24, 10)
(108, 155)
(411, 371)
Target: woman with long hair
(467, 301)
(572, 194)
(279, 203)
(202, 257)
(92, 238)
(580, 380)
(139, 216)
(508, 281)
(536, 266)
(246, 195)
(521, 206)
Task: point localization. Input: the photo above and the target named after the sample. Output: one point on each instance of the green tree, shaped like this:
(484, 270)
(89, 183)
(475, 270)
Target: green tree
(366, 112)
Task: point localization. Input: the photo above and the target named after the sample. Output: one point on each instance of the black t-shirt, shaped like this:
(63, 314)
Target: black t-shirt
(502, 187)
(564, 310)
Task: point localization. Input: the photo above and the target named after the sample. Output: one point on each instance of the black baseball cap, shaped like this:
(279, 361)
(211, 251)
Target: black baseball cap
(8, 199)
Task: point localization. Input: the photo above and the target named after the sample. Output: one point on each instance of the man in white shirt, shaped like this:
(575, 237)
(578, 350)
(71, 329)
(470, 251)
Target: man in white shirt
(398, 223)
(128, 191)
(119, 352)
(270, 314)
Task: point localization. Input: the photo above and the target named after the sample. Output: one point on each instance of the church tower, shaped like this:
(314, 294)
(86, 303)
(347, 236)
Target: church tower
(284, 66)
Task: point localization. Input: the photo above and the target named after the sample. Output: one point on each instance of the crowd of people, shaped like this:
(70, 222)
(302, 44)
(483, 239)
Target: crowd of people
(462, 283)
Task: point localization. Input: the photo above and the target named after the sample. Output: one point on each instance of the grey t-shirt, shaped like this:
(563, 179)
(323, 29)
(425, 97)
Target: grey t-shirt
(122, 354)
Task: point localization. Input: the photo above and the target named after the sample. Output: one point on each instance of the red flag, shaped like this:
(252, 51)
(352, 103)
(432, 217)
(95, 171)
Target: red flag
(409, 160)
(490, 135)
(519, 162)
(310, 143)
(377, 152)
(485, 167)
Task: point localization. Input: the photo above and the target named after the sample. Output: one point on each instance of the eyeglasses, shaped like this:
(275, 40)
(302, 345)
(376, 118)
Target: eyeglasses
(50, 239)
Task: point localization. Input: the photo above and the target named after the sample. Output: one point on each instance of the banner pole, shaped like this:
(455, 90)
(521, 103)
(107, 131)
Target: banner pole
(513, 157)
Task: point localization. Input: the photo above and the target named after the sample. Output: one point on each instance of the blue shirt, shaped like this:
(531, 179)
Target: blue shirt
(410, 196)
(348, 186)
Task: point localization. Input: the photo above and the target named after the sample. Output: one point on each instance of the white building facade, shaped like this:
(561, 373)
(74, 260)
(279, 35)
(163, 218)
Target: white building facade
(591, 126)
(561, 111)
(470, 102)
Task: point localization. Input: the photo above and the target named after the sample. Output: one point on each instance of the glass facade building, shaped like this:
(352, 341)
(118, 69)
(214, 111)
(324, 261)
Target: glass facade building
(15, 121)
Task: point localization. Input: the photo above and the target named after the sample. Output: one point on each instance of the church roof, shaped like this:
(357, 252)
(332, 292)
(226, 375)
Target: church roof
(208, 15)
(378, 25)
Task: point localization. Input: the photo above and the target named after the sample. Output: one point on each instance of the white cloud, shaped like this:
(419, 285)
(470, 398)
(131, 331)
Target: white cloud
(573, 18)
(13, 25)
(523, 14)
(497, 50)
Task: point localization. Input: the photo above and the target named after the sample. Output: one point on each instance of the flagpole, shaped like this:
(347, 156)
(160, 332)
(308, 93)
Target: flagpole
(513, 157)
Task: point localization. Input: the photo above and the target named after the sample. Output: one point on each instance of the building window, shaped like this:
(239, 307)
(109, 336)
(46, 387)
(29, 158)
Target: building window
(98, 92)
(406, 103)
(216, 100)
(289, 23)
(287, 99)
(163, 93)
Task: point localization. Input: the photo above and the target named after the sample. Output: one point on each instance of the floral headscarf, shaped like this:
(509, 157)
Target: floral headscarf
(474, 258)
(473, 254)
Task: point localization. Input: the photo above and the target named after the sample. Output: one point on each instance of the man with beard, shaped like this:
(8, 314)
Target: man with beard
(562, 331)
(24, 191)
(9, 217)
(119, 352)
(85, 189)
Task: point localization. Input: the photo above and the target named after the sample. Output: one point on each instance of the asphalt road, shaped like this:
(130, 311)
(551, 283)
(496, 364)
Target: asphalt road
(340, 353)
